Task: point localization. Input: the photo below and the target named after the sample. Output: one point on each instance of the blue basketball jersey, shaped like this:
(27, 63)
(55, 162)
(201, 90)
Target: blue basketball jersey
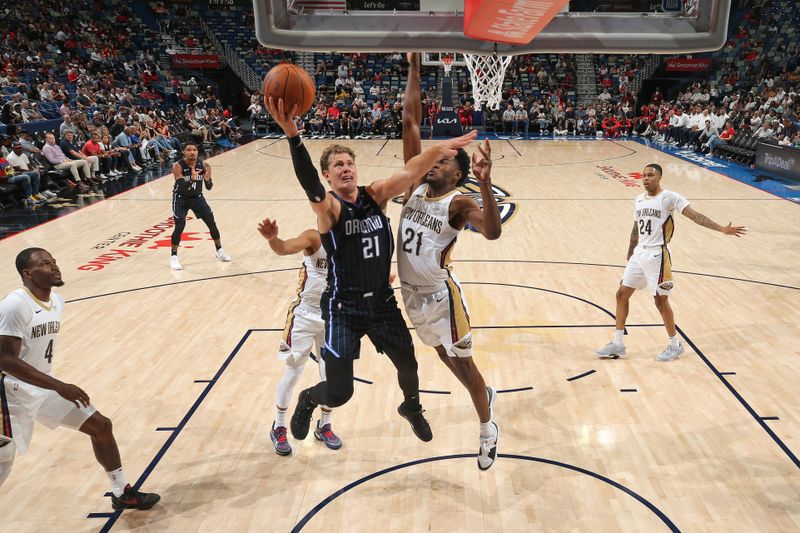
(360, 248)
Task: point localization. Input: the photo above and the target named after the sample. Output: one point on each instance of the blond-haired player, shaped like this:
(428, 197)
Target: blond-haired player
(649, 261)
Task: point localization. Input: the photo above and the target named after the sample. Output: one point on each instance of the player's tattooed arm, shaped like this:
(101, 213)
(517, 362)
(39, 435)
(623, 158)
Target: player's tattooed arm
(634, 239)
(10, 363)
(701, 219)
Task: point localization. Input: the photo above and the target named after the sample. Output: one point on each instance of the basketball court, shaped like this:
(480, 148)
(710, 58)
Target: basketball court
(185, 364)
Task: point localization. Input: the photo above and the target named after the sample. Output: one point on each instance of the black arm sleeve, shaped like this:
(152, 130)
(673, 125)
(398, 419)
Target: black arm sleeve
(304, 169)
(209, 184)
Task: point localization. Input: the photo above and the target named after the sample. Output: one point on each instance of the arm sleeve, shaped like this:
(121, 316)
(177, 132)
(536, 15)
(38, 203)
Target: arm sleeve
(304, 169)
(208, 184)
(13, 317)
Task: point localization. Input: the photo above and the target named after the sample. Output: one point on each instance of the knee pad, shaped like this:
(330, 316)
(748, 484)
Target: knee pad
(339, 394)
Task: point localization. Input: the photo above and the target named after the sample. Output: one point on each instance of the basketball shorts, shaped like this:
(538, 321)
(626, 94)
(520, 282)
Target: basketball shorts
(304, 327)
(375, 315)
(22, 404)
(182, 204)
(649, 266)
(441, 318)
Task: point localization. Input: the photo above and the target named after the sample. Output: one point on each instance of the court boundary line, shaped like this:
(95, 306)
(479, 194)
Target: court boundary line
(316, 509)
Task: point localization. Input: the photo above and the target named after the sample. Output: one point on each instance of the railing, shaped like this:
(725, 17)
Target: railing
(239, 67)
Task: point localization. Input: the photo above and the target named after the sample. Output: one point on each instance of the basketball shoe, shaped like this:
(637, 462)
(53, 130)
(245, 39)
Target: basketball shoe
(133, 499)
(279, 440)
(488, 448)
(301, 419)
(611, 351)
(326, 435)
(222, 256)
(670, 353)
(412, 411)
(174, 263)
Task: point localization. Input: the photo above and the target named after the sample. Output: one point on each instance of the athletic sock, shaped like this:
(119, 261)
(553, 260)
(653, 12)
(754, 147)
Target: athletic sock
(280, 417)
(487, 429)
(326, 416)
(673, 341)
(118, 481)
(174, 252)
(618, 333)
(217, 246)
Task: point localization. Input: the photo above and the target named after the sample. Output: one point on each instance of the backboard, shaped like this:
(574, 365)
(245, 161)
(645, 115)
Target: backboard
(583, 26)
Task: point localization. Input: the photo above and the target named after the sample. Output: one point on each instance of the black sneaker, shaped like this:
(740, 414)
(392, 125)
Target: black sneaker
(413, 413)
(133, 499)
(301, 419)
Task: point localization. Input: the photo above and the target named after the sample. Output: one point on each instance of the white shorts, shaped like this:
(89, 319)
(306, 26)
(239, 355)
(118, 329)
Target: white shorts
(649, 266)
(304, 327)
(440, 318)
(22, 404)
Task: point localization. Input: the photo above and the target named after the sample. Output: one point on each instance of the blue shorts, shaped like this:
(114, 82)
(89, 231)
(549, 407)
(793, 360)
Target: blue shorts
(376, 316)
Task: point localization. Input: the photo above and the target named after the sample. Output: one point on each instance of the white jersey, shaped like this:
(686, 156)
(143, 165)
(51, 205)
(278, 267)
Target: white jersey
(313, 281)
(36, 323)
(425, 239)
(653, 216)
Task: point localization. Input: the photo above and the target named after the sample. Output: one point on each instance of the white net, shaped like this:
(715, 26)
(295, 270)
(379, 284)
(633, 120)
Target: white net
(487, 73)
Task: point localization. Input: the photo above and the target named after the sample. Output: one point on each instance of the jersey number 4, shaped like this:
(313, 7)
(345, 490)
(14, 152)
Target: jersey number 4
(410, 235)
(48, 353)
(644, 228)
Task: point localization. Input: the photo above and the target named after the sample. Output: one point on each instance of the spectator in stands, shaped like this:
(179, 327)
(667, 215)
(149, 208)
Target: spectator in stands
(723, 138)
(53, 153)
(611, 126)
(27, 176)
(72, 151)
(126, 148)
(508, 119)
(706, 134)
(26, 141)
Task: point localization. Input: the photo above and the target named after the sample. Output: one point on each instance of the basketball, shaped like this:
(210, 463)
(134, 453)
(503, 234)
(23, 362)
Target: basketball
(291, 83)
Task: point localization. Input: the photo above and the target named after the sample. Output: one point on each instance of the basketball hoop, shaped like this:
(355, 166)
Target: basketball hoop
(487, 73)
(447, 62)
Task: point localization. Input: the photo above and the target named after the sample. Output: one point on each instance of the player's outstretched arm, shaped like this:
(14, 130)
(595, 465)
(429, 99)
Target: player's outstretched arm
(385, 189)
(308, 241)
(701, 219)
(412, 117)
(486, 220)
(634, 239)
(10, 363)
(323, 205)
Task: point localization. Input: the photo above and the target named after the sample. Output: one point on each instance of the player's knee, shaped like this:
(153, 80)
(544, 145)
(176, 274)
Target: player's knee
(101, 427)
(340, 394)
(622, 294)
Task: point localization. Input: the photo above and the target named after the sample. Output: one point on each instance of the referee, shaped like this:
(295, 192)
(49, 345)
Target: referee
(190, 174)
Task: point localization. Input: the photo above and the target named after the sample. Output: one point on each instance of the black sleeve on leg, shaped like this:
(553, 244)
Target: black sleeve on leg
(304, 169)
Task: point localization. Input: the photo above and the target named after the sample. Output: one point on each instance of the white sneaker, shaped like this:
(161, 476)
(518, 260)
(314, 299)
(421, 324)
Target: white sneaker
(488, 449)
(611, 351)
(48, 194)
(222, 256)
(174, 263)
(670, 353)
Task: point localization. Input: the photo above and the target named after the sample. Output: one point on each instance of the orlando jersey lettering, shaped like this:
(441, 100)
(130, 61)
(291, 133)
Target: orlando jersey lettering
(188, 187)
(359, 247)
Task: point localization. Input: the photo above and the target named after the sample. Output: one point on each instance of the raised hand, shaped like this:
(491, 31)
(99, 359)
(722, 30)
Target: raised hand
(738, 231)
(284, 119)
(195, 174)
(268, 228)
(449, 148)
(482, 166)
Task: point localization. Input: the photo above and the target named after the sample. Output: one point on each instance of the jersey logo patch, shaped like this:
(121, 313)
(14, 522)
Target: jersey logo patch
(464, 344)
(472, 189)
(666, 286)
